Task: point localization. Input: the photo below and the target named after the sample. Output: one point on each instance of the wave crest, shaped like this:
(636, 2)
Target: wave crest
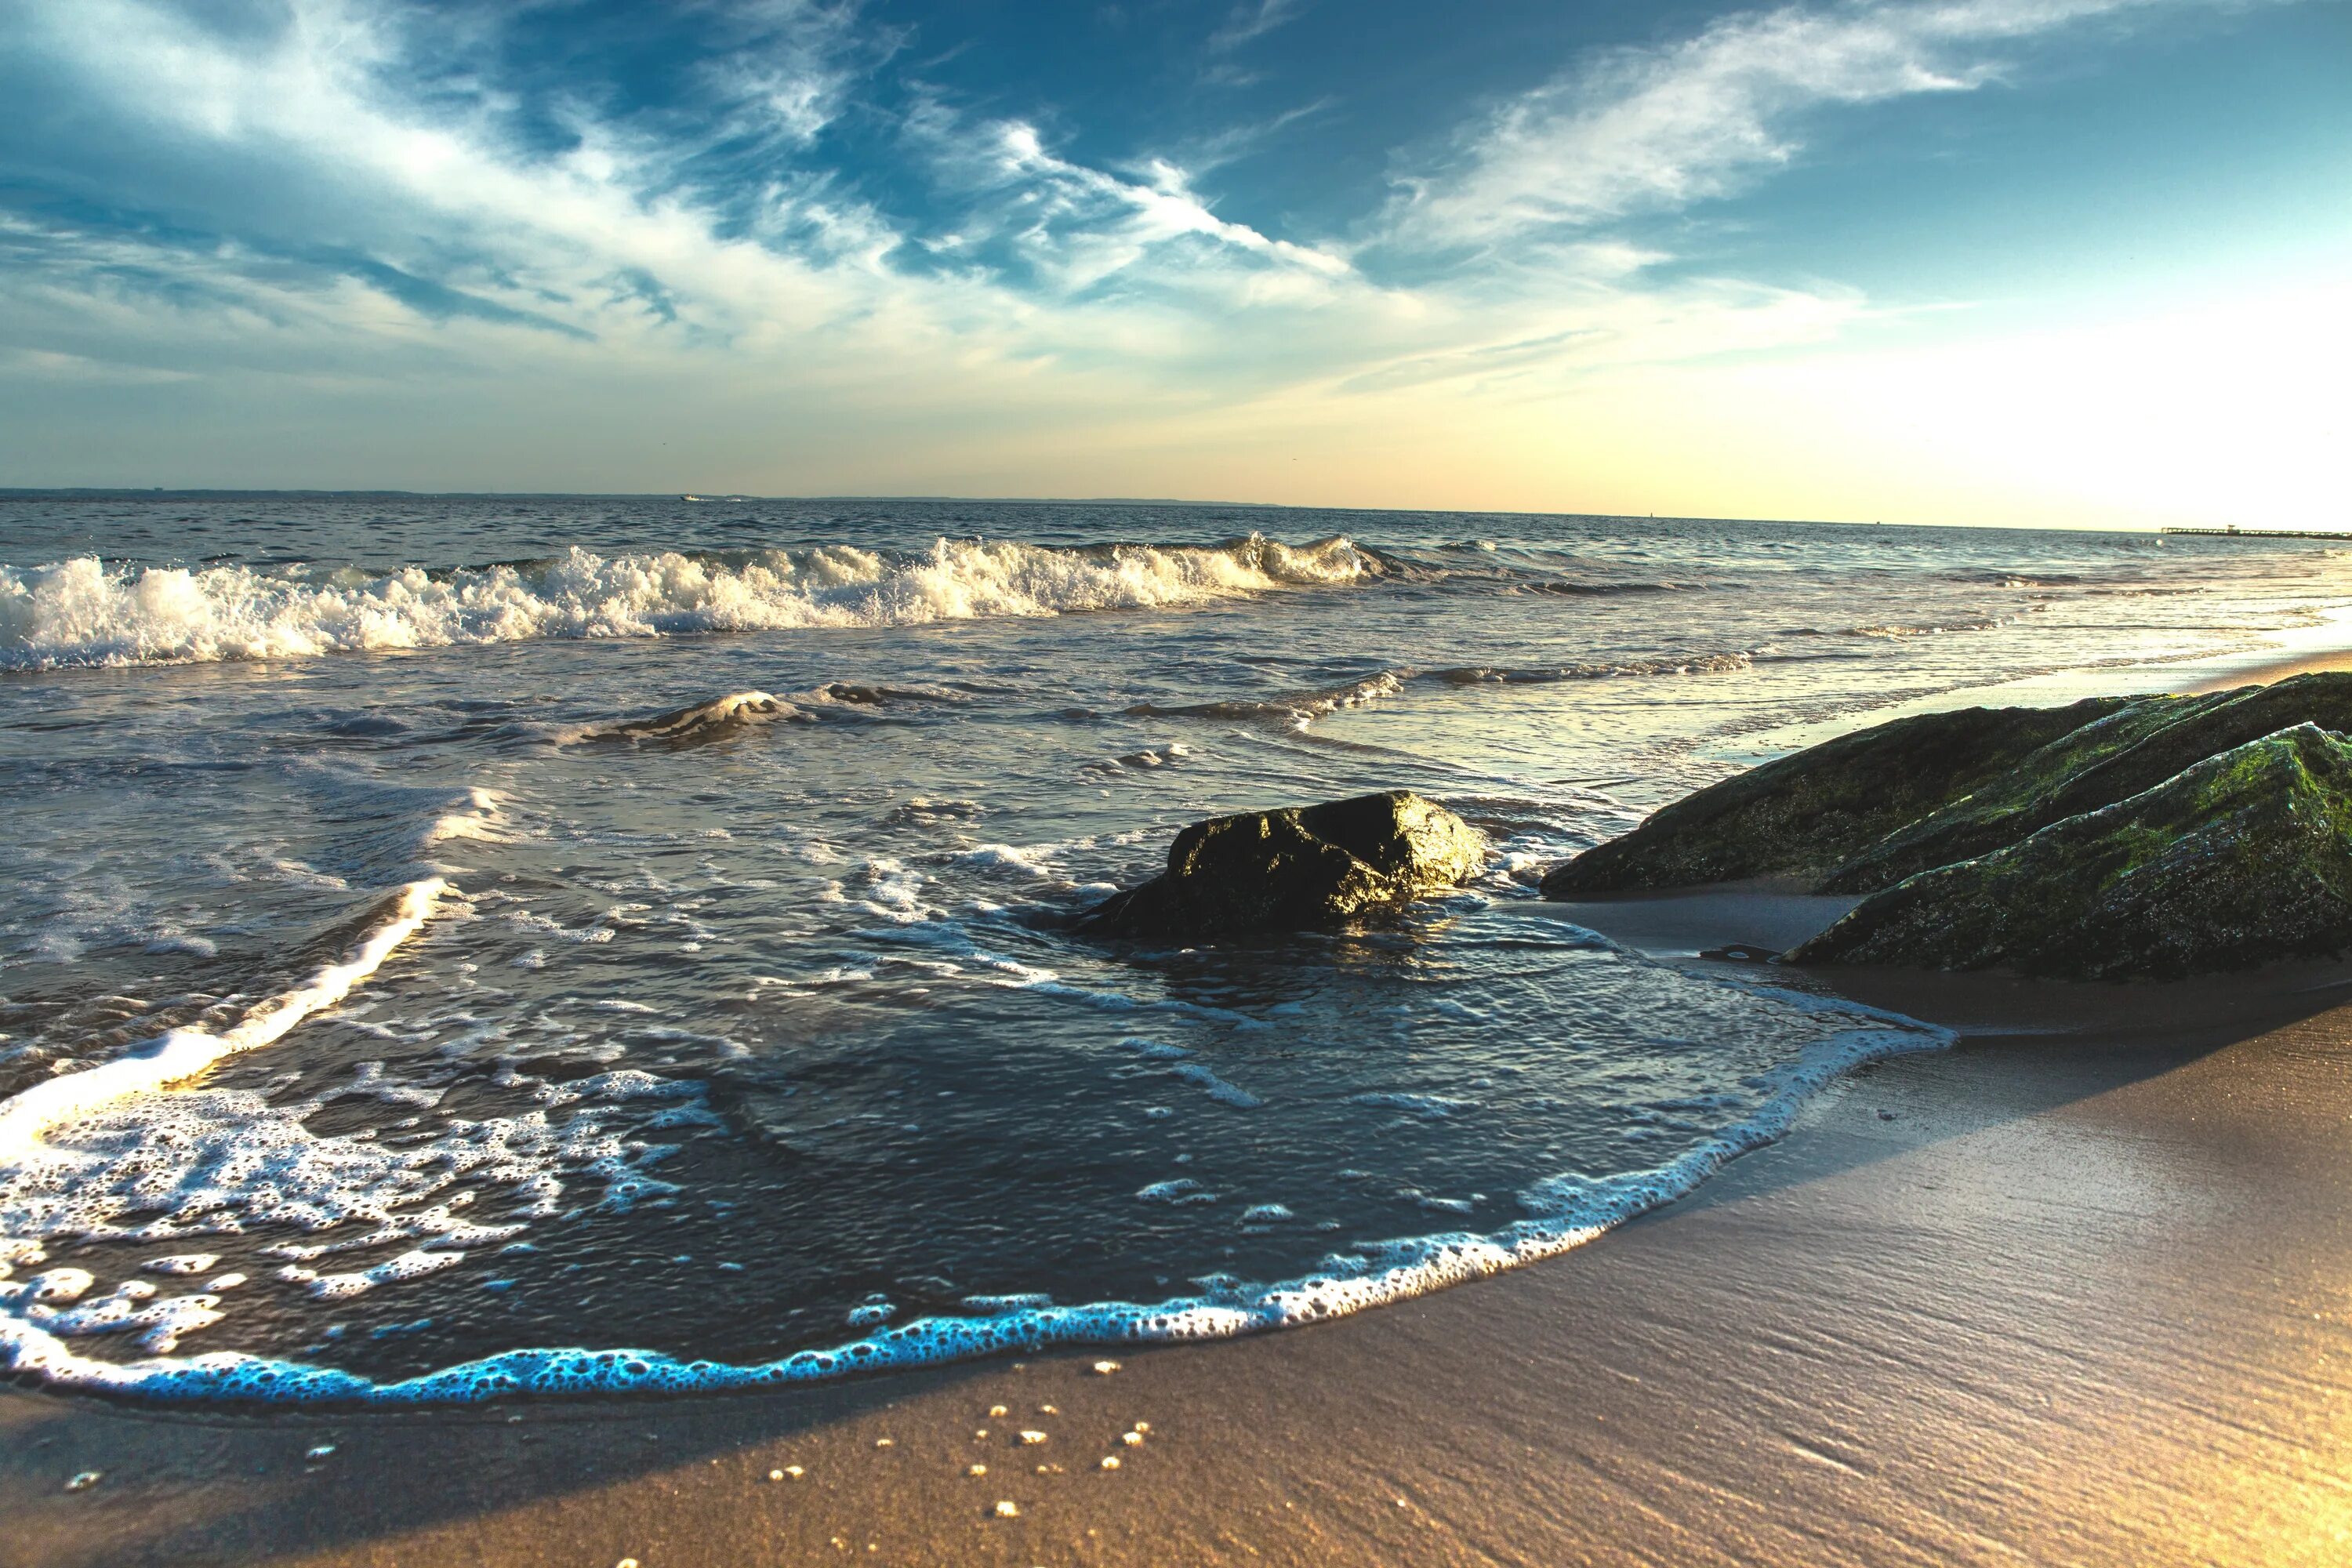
(84, 613)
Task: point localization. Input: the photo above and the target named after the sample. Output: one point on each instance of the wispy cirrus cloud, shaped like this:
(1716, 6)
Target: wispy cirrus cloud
(1250, 22)
(1247, 23)
(1634, 130)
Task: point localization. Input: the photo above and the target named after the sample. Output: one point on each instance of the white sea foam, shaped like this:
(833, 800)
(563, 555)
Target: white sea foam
(1028, 863)
(83, 612)
(1216, 1089)
(1565, 1213)
(116, 1153)
(183, 1053)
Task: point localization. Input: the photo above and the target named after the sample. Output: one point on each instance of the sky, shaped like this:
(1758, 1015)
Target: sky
(2050, 262)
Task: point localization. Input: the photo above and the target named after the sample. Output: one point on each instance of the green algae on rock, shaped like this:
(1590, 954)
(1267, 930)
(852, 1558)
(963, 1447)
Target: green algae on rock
(1802, 815)
(2240, 858)
(1297, 869)
(2110, 758)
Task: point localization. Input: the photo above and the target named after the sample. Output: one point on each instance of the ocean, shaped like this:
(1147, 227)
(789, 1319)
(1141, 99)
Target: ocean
(451, 947)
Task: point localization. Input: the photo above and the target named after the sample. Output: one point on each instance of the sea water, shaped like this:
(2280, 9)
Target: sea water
(453, 946)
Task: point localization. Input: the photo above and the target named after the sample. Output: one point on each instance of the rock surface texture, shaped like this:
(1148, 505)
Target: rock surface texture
(2160, 836)
(2135, 748)
(1804, 813)
(1299, 869)
(2239, 859)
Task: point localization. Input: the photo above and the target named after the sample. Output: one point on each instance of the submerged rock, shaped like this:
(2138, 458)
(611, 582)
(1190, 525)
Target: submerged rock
(2109, 759)
(2240, 858)
(1297, 869)
(1802, 814)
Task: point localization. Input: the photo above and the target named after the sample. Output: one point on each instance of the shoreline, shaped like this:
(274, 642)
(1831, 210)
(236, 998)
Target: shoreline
(2084, 1278)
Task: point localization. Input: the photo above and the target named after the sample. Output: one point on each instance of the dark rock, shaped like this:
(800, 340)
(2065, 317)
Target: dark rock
(2241, 858)
(1296, 869)
(1802, 815)
(2112, 758)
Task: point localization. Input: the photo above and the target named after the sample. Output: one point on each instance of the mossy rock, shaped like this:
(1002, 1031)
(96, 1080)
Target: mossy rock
(2241, 858)
(1802, 815)
(2109, 759)
(1299, 869)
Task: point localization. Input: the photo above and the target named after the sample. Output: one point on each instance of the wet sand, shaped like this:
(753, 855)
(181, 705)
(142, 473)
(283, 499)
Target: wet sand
(2279, 670)
(2077, 1291)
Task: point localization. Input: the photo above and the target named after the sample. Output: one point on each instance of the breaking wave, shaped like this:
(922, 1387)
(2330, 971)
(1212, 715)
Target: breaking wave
(83, 612)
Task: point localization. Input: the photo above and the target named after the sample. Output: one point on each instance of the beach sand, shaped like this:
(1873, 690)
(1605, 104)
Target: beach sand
(2076, 1291)
(2263, 674)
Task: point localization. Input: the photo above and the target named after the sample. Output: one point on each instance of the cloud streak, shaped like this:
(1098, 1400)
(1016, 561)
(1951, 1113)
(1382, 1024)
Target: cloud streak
(1630, 130)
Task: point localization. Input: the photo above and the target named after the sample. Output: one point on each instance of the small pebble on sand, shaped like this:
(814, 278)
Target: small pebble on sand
(1110, 1461)
(997, 1410)
(977, 1471)
(1033, 1437)
(1105, 1368)
(883, 1443)
(319, 1453)
(1144, 1425)
(83, 1482)
(1008, 1509)
(1130, 1438)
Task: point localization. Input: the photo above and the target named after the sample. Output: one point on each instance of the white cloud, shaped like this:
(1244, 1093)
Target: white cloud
(1662, 127)
(1251, 22)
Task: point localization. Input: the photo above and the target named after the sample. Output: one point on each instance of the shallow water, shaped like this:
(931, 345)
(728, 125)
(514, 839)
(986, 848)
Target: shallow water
(740, 1026)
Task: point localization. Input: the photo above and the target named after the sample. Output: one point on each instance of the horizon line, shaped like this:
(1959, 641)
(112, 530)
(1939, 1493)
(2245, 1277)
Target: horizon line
(152, 492)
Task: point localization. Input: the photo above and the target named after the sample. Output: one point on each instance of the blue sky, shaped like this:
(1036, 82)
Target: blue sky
(2042, 260)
